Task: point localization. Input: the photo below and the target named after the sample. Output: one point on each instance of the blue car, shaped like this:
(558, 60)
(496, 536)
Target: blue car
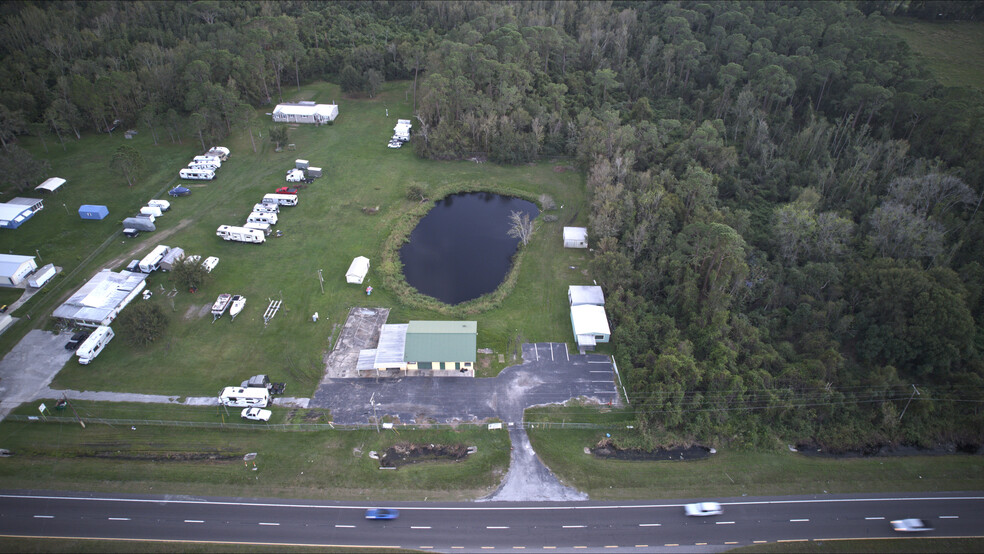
(382, 513)
(179, 191)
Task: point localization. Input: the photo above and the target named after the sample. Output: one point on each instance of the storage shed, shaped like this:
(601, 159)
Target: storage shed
(42, 276)
(575, 237)
(14, 268)
(358, 270)
(171, 258)
(590, 325)
(93, 211)
(51, 185)
(585, 296)
(305, 112)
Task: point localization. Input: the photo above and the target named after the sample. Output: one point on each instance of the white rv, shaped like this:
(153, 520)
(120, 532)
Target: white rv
(295, 175)
(281, 199)
(267, 207)
(207, 159)
(249, 397)
(151, 210)
(262, 217)
(240, 234)
(152, 261)
(203, 165)
(220, 152)
(198, 174)
(94, 344)
(164, 205)
(265, 227)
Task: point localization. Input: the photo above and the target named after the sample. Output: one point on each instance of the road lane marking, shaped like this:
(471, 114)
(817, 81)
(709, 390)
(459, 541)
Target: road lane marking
(731, 542)
(700, 544)
(519, 547)
(194, 521)
(496, 527)
(724, 523)
(119, 519)
(941, 517)
(671, 544)
(872, 518)
(611, 546)
(761, 542)
(269, 523)
(345, 526)
(573, 527)
(420, 526)
(45, 517)
(792, 540)
(650, 525)
(642, 546)
(799, 520)
(598, 371)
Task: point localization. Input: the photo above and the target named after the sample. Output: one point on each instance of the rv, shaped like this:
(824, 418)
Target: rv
(244, 397)
(240, 234)
(138, 224)
(295, 175)
(151, 210)
(281, 199)
(220, 152)
(203, 165)
(262, 217)
(265, 227)
(152, 261)
(164, 205)
(207, 159)
(93, 345)
(199, 174)
(267, 208)
(146, 217)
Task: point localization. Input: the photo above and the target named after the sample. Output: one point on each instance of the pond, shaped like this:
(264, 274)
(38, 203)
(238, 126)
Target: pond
(461, 250)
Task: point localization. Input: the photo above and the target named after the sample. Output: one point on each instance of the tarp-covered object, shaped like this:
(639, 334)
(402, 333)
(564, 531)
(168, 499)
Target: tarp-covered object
(93, 211)
(139, 223)
(358, 270)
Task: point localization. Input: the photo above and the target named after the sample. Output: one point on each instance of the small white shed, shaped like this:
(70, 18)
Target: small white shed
(358, 270)
(575, 237)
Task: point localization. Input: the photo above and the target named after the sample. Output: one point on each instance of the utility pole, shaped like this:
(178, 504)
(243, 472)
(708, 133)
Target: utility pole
(374, 418)
(915, 391)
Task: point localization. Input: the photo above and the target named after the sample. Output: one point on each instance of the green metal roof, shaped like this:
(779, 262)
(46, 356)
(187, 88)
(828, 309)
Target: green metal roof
(441, 341)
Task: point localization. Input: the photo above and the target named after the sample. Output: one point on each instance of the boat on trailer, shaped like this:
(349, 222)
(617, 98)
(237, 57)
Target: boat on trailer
(220, 306)
(237, 305)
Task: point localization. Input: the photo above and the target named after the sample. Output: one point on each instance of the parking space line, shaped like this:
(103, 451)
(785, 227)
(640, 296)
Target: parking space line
(567, 352)
(941, 517)
(873, 518)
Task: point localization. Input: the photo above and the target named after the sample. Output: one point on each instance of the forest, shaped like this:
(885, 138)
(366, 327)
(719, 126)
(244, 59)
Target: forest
(784, 202)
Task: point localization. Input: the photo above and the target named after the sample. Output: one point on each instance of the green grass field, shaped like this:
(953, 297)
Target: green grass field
(325, 231)
(953, 51)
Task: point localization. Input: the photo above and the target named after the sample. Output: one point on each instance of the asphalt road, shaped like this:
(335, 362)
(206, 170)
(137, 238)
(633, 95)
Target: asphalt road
(469, 527)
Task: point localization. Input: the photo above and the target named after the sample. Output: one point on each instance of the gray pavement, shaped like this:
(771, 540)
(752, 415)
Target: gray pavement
(30, 366)
(361, 331)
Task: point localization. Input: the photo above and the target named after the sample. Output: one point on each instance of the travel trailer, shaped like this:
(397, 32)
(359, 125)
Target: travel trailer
(151, 262)
(93, 345)
(248, 397)
(281, 199)
(203, 165)
(262, 217)
(220, 152)
(295, 176)
(151, 210)
(240, 234)
(197, 174)
(164, 205)
(207, 159)
(265, 227)
(267, 207)
(138, 224)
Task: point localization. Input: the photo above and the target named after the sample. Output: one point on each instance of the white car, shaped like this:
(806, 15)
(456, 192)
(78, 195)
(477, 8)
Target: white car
(910, 525)
(704, 509)
(257, 414)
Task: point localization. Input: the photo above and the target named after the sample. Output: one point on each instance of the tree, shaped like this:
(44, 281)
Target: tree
(417, 192)
(350, 80)
(189, 274)
(11, 123)
(128, 161)
(278, 135)
(142, 323)
(374, 81)
(20, 169)
(521, 227)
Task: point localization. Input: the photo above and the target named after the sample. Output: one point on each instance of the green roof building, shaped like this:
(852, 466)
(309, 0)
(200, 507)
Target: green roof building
(441, 345)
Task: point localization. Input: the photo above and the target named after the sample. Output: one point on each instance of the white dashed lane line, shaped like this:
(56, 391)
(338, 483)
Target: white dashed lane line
(798, 520)
(650, 524)
(269, 523)
(194, 521)
(119, 519)
(345, 526)
(45, 517)
(873, 518)
(495, 527)
(573, 527)
(420, 527)
(724, 523)
(941, 517)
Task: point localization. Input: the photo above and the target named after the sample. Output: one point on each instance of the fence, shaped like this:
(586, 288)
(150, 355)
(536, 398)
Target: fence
(302, 427)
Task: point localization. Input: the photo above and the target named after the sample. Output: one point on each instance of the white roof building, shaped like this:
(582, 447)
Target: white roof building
(305, 112)
(358, 270)
(14, 268)
(590, 325)
(580, 295)
(575, 237)
(100, 300)
(51, 185)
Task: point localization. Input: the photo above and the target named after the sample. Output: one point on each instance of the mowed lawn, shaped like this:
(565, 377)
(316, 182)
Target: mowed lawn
(953, 51)
(324, 232)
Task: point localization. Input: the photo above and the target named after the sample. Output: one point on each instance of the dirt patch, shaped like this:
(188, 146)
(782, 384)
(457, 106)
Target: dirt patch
(887, 450)
(410, 453)
(159, 237)
(605, 449)
(156, 456)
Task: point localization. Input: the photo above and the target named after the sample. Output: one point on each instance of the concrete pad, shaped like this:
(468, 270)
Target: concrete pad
(30, 366)
(361, 331)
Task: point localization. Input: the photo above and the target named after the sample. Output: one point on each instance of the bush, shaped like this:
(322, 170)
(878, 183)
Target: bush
(142, 323)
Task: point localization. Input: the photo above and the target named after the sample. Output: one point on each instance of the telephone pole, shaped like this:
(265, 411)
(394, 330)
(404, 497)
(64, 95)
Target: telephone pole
(915, 391)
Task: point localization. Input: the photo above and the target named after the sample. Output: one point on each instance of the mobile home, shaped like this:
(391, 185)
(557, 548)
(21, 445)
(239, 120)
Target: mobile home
(262, 217)
(197, 174)
(281, 199)
(152, 261)
(240, 234)
(265, 227)
(267, 208)
(93, 345)
(248, 397)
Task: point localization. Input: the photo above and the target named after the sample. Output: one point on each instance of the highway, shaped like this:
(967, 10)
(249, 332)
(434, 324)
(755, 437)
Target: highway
(656, 526)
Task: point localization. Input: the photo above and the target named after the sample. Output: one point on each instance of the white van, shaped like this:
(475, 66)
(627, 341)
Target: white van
(281, 199)
(239, 397)
(93, 345)
(197, 174)
(262, 217)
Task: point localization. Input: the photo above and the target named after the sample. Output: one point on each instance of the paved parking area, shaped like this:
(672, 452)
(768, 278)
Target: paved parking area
(30, 366)
(549, 374)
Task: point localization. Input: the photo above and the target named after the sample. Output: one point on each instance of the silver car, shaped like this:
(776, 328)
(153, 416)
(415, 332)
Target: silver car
(701, 509)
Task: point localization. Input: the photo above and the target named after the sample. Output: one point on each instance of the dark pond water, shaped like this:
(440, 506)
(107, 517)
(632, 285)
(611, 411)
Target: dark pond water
(460, 249)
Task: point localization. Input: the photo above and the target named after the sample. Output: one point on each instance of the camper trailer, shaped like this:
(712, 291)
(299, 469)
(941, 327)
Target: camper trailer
(139, 224)
(262, 217)
(244, 397)
(240, 234)
(197, 174)
(164, 205)
(93, 345)
(41, 276)
(265, 227)
(267, 208)
(207, 159)
(220, 152)
(203, 165)
(295, 175)
(151, 210)
(152, 261)
(313, 172)
(281, 199)
(146, 217)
